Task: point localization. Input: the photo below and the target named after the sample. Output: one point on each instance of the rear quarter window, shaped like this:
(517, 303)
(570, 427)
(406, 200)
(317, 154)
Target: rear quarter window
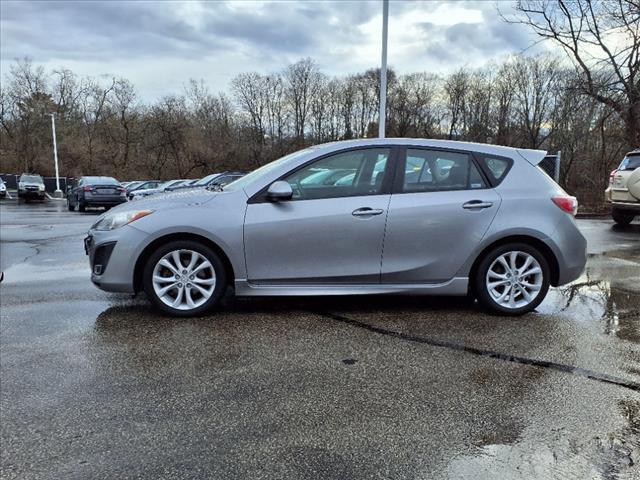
(630, 162)
(496, 168)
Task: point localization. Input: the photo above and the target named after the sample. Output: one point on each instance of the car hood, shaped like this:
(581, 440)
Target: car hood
(30, 184)
(168, 200)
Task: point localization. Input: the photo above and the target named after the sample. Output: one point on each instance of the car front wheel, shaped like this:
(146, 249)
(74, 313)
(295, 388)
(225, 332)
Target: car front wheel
(184, 278)
(512, 279)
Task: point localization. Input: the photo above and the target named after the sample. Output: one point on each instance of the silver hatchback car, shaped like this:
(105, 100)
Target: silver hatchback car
(380, 216)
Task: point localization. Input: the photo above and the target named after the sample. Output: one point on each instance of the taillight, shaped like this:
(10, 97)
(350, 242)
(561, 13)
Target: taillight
(122, 189)
(612, 176)
(566, 203)
(87, 188)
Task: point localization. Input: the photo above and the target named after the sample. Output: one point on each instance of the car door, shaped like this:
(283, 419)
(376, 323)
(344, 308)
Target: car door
(331, 231)
(440, 209)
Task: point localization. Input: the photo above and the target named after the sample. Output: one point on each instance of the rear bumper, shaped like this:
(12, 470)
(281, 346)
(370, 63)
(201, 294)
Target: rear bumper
(97, 201)
(628, 206)
(570, 249)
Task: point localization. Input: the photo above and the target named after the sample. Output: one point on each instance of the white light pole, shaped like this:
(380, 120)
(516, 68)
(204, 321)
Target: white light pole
(58, 192)
(383, 69)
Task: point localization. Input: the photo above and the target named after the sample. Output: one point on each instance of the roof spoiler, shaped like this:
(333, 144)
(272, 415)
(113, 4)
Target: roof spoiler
(534, 157)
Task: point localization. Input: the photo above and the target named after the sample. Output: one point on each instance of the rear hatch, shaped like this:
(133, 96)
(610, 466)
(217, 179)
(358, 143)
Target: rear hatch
(104, 190)
(619, 181)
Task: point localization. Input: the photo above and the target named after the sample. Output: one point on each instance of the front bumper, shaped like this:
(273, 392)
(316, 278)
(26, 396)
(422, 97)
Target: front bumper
(116, 252)
(39, 194)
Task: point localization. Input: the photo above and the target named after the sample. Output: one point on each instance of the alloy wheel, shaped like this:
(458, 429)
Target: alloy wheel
(514, 279)
(184, 279)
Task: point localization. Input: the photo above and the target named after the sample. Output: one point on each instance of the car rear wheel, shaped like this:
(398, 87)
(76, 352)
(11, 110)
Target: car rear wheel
(184, 278)
(512, 279)
(621, 217)
(80, 206)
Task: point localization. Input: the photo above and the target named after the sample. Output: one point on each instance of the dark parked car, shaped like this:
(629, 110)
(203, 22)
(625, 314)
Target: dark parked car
(95, 192)
(30, 187)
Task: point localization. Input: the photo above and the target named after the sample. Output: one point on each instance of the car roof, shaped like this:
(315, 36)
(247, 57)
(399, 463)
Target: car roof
(532, 156)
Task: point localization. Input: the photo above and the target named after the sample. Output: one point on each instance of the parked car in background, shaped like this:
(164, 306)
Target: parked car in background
(215, 180)
(142, 185)
(30, 187)
(95, 192)
(145, 192)
(182, 186)
(457, 218)
(623, 192)
(224, 179)
(3, 189)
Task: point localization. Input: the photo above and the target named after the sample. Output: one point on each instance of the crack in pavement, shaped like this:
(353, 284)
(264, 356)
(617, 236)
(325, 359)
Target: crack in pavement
(581, 372)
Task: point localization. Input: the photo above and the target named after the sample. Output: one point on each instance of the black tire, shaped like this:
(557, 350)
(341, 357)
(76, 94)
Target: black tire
(209, 254)
(622, 217)
(81, 206)
(482, 292)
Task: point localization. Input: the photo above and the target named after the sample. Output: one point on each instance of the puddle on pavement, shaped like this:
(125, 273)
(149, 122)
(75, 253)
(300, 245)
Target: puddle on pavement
(30, 272)
(615, 310)
(606, 296)
(559, 455)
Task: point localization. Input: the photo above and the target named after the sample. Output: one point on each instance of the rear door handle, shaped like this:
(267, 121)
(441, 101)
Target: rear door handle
(477, 205)
(366, 212)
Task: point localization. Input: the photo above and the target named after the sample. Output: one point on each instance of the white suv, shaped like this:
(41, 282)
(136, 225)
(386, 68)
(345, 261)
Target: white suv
(624, 189)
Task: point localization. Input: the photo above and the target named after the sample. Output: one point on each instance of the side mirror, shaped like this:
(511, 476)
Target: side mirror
(279, 190)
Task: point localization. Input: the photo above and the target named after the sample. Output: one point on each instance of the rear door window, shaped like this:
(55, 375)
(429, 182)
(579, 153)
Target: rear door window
(433, 170)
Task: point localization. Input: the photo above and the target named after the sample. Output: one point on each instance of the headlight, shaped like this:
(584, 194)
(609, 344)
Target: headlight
(111, 221)
(21, 186)
(41, 187)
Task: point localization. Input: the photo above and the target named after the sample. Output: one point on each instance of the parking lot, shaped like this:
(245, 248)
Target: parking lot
(97, 385)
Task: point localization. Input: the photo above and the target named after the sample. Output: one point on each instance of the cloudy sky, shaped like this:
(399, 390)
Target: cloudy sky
(159, 45)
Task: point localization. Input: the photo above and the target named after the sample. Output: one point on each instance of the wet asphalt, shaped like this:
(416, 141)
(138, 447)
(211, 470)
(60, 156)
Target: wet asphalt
(97, 385)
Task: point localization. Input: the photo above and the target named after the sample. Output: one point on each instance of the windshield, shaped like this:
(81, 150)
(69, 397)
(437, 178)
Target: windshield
(31, 178)
(630, 162)
(100, 180)
(264, 170)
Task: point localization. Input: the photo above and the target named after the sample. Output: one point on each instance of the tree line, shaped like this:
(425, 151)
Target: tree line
(591, 114)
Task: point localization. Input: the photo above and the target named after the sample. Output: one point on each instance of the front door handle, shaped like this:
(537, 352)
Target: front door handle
(477, 205)
(366, 212)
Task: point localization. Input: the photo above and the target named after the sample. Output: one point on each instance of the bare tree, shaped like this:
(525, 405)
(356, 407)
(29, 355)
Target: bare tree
(602, 38)
(303, 82)
(456, 89)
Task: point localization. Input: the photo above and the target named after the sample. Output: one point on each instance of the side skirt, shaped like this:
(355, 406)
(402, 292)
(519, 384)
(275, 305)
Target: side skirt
(455, 286)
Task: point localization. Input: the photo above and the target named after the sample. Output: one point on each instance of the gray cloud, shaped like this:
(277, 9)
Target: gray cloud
(139, 39)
